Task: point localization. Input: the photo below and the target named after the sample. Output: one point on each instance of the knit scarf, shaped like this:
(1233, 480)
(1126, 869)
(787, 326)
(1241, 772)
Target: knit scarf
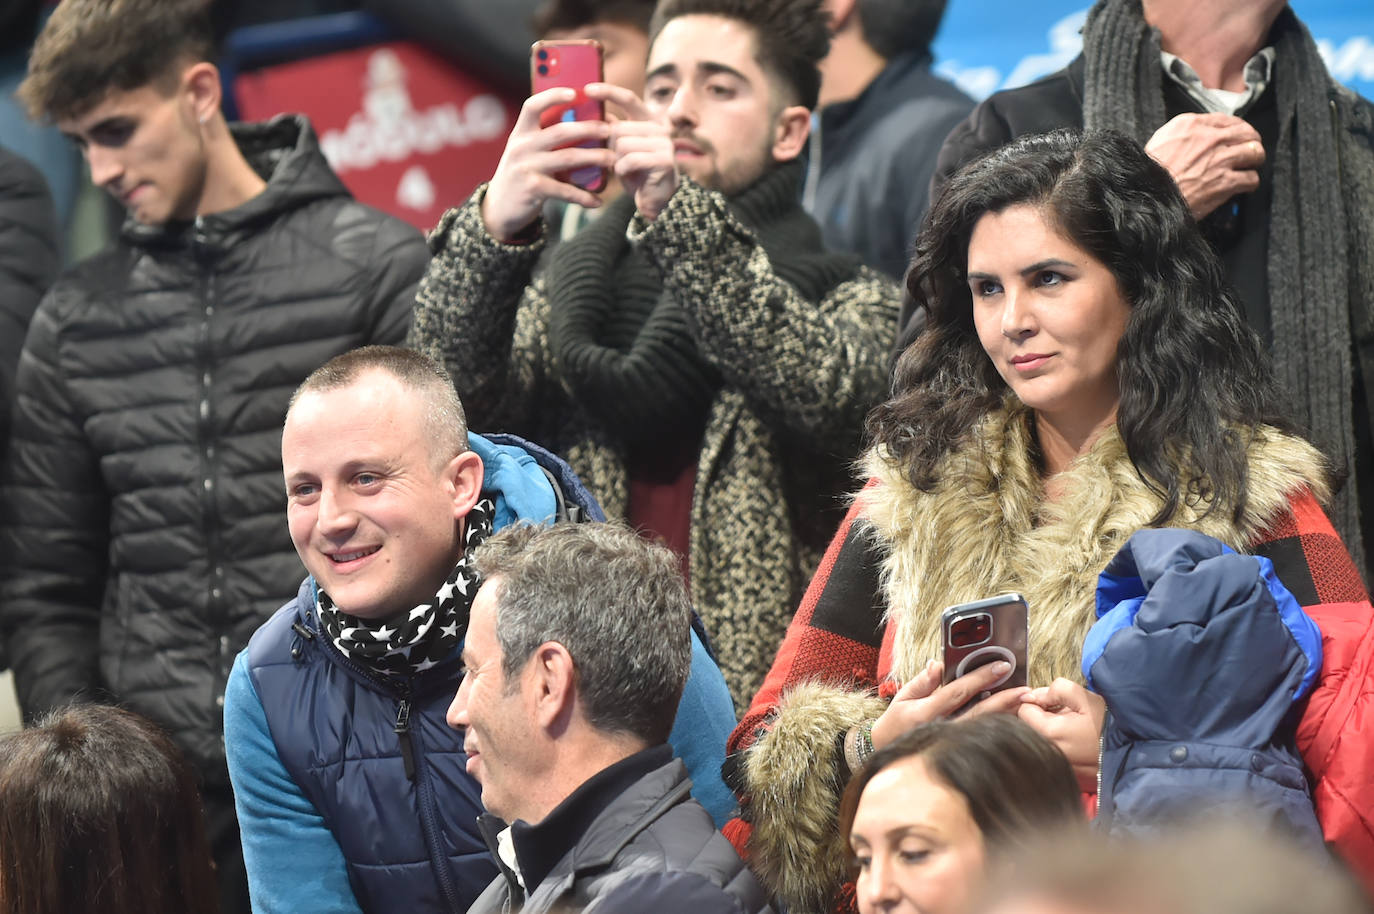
(416, 639)
(1309, 289)
(626, 348)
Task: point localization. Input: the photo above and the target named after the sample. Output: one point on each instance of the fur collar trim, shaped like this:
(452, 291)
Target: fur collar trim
(986, 530)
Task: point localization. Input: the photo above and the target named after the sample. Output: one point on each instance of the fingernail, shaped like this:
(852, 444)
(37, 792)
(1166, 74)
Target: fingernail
(1000, 667)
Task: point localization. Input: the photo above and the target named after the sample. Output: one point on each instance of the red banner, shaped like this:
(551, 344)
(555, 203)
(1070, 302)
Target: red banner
(409, 132)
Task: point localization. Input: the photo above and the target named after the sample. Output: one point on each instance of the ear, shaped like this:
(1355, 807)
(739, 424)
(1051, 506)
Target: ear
(790, 133)
(463, 480)
(200, 83)
(555, 686)
(841, 14)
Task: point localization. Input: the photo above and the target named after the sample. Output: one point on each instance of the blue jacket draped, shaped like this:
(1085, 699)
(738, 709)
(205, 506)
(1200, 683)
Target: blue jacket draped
(1202, 656)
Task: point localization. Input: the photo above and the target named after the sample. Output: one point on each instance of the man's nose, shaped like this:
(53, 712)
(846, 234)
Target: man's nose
(457, 716)
(335, 514)
(106, 168)
(682, 111)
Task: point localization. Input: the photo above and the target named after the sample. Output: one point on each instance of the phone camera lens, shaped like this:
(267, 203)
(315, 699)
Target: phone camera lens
(543, 70)
(970, 630)
(543, 55)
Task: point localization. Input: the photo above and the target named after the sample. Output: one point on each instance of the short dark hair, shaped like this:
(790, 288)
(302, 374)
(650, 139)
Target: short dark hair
(1193, 377)
(1016, 782)
(569, 15)
(99, 812)
(417, 372)
(893, 27)
(90, 48)
(616, 602)
(792, 36)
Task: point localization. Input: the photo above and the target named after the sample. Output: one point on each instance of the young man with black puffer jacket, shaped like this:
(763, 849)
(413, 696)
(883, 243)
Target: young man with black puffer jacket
(141, 536)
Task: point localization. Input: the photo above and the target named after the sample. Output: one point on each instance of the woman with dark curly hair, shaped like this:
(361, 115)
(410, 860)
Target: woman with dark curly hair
(99, 811)
(1085, 374)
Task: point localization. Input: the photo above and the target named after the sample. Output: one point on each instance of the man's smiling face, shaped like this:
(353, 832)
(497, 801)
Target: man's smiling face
(370, 504)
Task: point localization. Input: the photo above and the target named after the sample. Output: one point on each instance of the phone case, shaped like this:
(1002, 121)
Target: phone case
(570, 64)
(984, 631)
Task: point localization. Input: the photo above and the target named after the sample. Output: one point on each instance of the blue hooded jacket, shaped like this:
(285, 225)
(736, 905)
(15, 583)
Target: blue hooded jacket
(1202, 656)
(351, 789)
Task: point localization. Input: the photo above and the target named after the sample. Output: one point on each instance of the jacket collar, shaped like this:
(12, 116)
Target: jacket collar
(589, 828)
(540, 847)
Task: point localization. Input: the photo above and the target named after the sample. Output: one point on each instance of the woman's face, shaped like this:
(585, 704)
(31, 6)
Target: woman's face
(916, 844)
(1048, 314)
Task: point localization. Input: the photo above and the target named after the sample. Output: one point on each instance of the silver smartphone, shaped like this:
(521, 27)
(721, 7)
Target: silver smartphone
(985, 631)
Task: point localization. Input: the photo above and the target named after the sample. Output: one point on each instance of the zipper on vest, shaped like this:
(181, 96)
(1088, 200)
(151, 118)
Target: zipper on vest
(439, 862)
(302, 634)
(403, 731)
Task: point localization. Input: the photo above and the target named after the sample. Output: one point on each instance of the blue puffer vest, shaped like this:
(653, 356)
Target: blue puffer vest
(380, 764)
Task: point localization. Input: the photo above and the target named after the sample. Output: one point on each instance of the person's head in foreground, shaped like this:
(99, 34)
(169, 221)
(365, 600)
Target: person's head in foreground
(576, 655)
(379, 479)
(132, 84)
(929, 814)
(1065, 272)
(1206, 868)
(99, 811)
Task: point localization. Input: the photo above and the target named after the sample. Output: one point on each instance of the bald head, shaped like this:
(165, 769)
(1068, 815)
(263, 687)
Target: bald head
(419, 376)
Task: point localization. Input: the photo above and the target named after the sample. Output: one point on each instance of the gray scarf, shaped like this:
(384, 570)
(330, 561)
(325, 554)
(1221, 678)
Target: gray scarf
(1309, 266)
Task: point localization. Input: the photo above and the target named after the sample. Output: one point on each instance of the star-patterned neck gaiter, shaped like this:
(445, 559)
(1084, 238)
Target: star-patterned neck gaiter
(416, 639)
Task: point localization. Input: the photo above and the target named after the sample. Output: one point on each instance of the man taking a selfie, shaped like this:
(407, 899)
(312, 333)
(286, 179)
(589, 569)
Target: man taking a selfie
(699, 357)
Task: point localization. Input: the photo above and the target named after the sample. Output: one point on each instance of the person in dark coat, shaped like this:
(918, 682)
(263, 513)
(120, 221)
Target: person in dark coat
(28, 265)
(1276, 161)
(141, 503)
(882, 116)
(577, 651)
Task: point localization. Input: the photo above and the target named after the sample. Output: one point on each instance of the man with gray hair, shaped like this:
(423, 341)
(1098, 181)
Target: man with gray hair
(576, 654)
(351, 790)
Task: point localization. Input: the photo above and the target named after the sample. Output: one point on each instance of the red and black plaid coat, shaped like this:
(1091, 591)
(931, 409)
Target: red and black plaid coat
(838, 636)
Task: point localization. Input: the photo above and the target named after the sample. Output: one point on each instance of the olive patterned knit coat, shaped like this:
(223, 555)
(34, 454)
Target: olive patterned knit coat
(772, 385)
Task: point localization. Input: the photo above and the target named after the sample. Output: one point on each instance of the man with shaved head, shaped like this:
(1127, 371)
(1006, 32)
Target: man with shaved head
(352, 792)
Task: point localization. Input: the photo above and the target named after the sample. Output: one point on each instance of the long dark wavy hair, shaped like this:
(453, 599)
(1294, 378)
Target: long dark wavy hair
(1194, 378)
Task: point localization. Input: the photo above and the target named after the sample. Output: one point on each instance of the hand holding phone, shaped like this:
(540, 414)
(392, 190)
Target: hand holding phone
(537, 161)
(926, 697)
(571, 64)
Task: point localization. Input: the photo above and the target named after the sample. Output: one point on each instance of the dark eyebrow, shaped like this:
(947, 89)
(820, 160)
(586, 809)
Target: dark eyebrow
(1027, 271)
(713, 69)
(667, 69)
(709, 67)
(1046, 264)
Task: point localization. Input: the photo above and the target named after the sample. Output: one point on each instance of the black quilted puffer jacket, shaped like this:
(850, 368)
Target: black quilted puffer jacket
(142, 510)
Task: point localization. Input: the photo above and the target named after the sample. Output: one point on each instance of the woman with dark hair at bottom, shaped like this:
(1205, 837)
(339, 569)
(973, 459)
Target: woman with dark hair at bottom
(99, 812)
(929, 815)
(1085, 374)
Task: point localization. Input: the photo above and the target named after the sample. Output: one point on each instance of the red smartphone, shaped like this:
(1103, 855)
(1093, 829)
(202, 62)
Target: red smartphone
(985, 631)
(571, 64)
